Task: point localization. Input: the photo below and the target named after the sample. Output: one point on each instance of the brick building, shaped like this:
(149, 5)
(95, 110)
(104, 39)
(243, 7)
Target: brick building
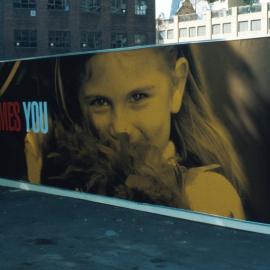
(45, 27)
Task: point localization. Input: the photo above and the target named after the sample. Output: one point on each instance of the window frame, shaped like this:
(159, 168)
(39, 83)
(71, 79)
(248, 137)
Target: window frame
(86, 39)
(192, 30)
(258, 22)
(169, 36)
(144, 42)
(24, 4)
(227, 26)
(243, 26)
(59, 39)
(55, 5)
(216, 27)
(201, 31)
(119, 33)
(138, 10)
(90, 6)
(25, 38)
(119, 7)
(183, 30)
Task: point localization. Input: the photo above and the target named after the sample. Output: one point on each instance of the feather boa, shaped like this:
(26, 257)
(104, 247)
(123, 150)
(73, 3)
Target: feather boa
(112, 167)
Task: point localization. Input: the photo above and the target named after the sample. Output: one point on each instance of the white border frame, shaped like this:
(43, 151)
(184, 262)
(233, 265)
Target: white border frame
(225, 222)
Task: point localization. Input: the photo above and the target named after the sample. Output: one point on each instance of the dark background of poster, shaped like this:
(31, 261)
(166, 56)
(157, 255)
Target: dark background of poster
(236, 73)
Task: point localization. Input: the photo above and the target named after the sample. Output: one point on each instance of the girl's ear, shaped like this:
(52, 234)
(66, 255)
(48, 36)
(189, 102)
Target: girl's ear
(181, 74)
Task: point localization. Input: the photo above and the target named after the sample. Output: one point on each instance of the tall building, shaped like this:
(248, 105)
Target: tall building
(223, 19)
(46, 27)
(186, 8)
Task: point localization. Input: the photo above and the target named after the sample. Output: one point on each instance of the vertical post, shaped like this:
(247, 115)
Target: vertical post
(234, 22)
(264, 18)
(208, 24)
(176, 28)
(157, 31)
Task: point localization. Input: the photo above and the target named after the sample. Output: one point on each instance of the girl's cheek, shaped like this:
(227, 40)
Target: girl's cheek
(101, 123)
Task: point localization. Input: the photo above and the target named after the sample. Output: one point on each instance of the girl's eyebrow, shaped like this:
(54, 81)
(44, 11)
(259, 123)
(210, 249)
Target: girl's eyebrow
(105, 94)
(89, 97)
(146, 88)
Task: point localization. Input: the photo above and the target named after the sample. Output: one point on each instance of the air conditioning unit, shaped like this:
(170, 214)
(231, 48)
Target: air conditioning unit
(66, 5)
(123, 8)
(33, 13)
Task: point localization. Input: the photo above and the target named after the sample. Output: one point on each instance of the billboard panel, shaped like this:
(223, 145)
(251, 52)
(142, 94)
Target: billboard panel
(183, 126)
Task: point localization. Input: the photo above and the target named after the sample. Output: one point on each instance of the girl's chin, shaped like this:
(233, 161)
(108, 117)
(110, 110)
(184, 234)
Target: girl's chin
(169, 151)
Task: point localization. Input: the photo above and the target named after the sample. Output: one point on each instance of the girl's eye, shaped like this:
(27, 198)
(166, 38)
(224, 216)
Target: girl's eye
(99, 102)
(136, 97)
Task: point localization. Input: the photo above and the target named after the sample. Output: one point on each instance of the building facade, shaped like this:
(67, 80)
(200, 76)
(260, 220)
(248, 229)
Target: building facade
(231, 22)
(45, 27)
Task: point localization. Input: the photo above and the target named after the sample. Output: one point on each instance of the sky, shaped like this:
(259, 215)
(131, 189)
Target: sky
(163, 6)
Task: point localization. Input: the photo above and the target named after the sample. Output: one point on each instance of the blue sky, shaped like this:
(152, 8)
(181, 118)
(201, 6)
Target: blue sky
(163, 6)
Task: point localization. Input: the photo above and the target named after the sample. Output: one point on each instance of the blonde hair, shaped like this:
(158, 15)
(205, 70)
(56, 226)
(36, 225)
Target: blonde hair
(201, 135)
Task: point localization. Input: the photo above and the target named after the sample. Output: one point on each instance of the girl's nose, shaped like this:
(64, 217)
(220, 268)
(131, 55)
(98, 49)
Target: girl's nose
(119, 124)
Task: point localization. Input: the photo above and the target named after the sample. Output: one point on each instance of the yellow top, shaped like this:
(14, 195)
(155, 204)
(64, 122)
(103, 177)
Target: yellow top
(207, 191)
(212, 193)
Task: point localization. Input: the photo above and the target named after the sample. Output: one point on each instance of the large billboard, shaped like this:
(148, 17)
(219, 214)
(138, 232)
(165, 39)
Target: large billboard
(183, 126)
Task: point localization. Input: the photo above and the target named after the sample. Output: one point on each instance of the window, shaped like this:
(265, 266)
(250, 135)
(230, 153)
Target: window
(201, 31)
(243, 26)
(24, 3)
(255, 25)
(192, 31)
(118, 40)
(183, 32)
(216, 29)
(58, 5)
(91, 40)
(170, 34)
(119, 6)
(91, 6)
(25, 38)
(227, 28)
(59, 39)
(161, 35)
(140, 7)
(139, 39)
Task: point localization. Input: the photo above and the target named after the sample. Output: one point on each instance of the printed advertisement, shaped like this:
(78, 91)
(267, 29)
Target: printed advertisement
(184, 126)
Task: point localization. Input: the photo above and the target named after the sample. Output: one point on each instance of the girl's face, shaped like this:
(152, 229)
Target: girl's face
(132, 92)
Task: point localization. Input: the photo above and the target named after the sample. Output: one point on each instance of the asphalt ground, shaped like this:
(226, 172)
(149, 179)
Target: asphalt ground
(41, 231)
